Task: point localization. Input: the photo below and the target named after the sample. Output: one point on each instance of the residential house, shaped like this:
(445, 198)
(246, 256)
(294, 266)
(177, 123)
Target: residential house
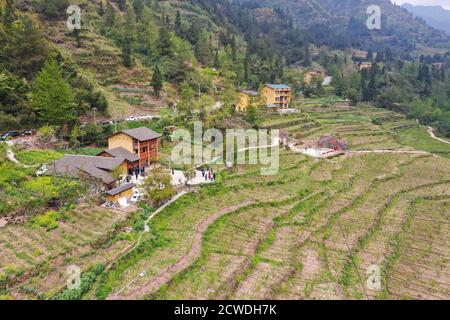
(120, 194)
(142, 142)
(246, 98)
(365, 66)
(105, 170)
(277, 96)
(122, 153)
(311, 75)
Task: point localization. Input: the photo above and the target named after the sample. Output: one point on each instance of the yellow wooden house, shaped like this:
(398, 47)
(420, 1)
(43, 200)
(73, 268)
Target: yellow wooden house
(277, 96)
(246, 98)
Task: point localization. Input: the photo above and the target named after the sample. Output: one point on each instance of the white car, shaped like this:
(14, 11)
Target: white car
(132, 118)
(147, 117)
(136, 197)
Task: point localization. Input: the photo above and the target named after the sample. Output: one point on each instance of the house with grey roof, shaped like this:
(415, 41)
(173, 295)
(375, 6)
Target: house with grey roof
(103, 169)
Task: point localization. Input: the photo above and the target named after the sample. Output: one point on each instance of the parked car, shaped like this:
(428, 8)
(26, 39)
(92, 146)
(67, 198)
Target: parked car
(10, 134)
(147, 117)
(26, 133)
(136, 197)
(132, 118)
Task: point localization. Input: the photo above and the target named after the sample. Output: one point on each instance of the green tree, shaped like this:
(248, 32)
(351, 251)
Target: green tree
(127, 56)
(157, 81)
(51, 96)
(76, 137)
(110, 15)
(46, 134)
(203, 50)
(101, 9)
(158, 187)
(138, 6)
(178, 30)
(23, 48)
(250, 115)
(216, 60)
(164, 44)
(129, 38)
(8, 14)
(122, 4)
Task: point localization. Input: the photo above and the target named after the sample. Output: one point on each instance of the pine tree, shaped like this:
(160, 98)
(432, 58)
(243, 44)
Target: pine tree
(233, 49)
(110, 15)
(216, 60)
(129, 38)
(178, 30)
(157, 81)
(138, 7)
(101, 9)
(122, 4)
(127, 56)
(203, 50)
(370, 55)
(247, 67)
(77, 35)
(164, 43)
(8, 14)
(51, 96)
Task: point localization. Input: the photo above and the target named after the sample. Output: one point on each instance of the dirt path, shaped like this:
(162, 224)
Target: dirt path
(186, 260)
(392, 151)
(431, 133)
(146, 229)
(10, 153)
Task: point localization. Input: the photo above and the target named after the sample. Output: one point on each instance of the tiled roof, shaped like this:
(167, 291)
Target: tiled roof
(250, 92)
(141, 134)
(277, 86)
(121, 189)
(97, 167)
(120, 152)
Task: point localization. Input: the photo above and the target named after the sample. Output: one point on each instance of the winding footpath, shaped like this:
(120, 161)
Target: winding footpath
(431, 133)
(186, 260)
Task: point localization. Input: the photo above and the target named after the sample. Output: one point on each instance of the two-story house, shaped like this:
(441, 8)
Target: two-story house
(246, 98)
(141, 142)
(277, 96)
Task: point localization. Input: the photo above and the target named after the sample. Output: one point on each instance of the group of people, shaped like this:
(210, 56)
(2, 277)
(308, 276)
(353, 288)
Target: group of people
(209, 174)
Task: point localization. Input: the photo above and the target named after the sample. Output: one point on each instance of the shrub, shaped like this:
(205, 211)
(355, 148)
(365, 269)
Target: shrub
(87, 280)
(37, 157)
(47, 220)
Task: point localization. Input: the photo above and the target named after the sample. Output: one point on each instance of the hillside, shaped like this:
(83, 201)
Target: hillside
(342, 24)
(435, 16)
(94, 123)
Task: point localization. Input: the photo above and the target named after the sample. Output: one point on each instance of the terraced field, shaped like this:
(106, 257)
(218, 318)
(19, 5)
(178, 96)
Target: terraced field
(35, 259)
(310, 232)
(316, 230)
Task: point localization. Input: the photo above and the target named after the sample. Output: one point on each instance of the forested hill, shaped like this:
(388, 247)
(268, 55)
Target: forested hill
(341, 24)
(134, 56)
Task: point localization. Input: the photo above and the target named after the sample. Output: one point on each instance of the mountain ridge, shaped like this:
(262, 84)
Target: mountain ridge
(436, 16)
